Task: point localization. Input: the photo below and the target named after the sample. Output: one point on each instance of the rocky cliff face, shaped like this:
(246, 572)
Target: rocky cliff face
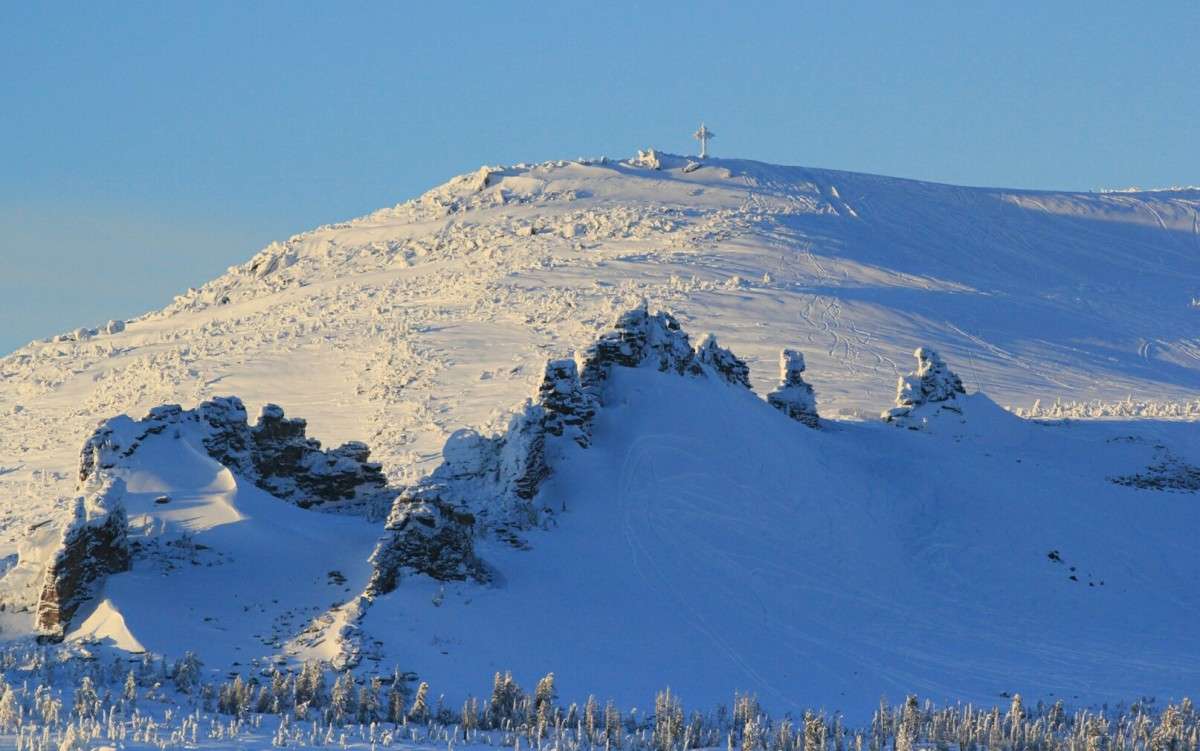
(94, 544)
(425, 535)
(794, 397)
(926, 392)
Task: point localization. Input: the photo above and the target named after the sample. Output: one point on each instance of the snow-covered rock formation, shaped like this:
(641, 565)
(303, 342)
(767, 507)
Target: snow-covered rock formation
(402, 326)
(274, 454)
(926, 392)
(720, 361)
(794, 397)
(569, 409)
(486, 485)
(638, 337)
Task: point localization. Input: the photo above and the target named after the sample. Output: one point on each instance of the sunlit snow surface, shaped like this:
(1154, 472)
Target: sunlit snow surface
(714, 545)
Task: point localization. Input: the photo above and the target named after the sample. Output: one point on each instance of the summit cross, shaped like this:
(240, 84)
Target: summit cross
(702, 136)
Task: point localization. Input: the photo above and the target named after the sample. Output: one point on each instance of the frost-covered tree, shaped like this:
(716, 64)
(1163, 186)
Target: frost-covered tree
(310, 685)
(397, 698)
(186, 673)
(419, 712)
(794, 397)
(343, 702)
(932, 383)
(612, 725)
(10, 709)
(87, 701)
(815, 732)
(545, 695)
(908, 729)
(129, 690)
(590, 709)
(668, 720)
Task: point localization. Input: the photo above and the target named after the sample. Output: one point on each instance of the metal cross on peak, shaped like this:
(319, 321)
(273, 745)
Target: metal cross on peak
(702, 136)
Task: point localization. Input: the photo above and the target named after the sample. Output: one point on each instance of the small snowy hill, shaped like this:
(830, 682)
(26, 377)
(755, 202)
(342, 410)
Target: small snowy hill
(713, 543)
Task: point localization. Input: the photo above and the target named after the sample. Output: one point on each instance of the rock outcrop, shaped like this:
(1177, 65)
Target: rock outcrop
(794, 397)
(927, 391)
(425, 535)
(293, 467)
(94, 544)
(569, 409)
(278, 457)
(485, 485)
(722, 362)
(638, 337)
(275, 454)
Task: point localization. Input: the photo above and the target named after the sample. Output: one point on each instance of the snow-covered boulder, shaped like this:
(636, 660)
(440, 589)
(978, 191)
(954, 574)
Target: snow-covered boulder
(794, 397)
(114, 327)
(721, 362)
(926, 392)
(94, 544)
(569, 409)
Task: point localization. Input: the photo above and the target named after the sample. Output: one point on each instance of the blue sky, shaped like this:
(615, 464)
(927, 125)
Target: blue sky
(145, 147)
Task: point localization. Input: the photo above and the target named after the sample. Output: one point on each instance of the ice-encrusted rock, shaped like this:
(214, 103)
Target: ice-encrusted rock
(719, 360)
(94, 544)
(794, 397)
(638, 337)
(569, 409)
(923, 393)
(114, 327)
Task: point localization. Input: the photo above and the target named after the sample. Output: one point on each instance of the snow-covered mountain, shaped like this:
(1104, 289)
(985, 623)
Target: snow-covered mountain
(650, 518)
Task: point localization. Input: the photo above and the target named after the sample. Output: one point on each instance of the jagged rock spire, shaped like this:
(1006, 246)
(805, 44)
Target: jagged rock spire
(794, 397)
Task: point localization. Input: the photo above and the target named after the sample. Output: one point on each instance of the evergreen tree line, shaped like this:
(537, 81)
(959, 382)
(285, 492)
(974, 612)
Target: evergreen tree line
(48, 702)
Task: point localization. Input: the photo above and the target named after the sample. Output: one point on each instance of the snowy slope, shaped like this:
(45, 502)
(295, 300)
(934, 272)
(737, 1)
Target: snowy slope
(403, 326)
(400, 327)
(706, 541)
(712, 544)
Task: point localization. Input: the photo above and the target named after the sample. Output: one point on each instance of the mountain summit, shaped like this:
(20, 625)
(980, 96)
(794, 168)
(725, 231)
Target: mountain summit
(543, 466)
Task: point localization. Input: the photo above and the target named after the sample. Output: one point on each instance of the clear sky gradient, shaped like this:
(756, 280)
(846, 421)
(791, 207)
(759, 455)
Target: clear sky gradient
(145, 147)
